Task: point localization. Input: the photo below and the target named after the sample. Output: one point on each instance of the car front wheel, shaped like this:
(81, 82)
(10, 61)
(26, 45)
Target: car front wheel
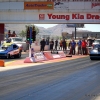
(19, 55)
(91, 58)
(8, 56)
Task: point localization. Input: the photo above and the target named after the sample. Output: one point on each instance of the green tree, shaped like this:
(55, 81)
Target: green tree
(60, 37)
(22, 34)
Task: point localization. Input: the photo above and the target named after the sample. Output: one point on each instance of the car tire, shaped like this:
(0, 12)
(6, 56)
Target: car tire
(8, 56)
(24, 50)
(91, 58)
(19, 55)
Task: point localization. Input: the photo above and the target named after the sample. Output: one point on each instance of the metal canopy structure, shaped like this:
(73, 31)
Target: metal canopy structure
(49, 11)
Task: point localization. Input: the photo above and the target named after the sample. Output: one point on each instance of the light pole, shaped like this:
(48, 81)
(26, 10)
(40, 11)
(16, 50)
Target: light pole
(75, 31)
(30, 41)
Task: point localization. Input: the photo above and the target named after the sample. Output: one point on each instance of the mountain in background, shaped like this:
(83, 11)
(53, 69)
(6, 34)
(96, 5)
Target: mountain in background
(55, 30)
(15, 27)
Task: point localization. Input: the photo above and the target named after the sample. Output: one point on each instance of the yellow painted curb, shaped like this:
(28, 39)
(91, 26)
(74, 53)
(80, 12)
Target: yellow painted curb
(44, 62)
(7, 63)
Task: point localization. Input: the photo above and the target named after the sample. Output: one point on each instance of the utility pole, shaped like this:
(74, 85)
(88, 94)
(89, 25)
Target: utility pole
(30, 41)
(75, 31)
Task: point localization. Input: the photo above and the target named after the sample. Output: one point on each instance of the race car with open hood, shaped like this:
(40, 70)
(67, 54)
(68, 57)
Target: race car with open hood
(10, 51)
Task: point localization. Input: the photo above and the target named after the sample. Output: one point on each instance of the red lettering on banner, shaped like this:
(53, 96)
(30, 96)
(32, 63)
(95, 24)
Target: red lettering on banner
(77, 16)
(74, 16)
(41, 16)
(95, 4)
(90, 16)
(66, 17)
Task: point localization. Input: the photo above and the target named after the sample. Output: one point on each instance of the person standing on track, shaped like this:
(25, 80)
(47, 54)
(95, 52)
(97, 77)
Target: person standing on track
(64, 45)
(84, 49)
(79, 43)
(60, 45)
(73, 45)
(51, 45)
(56, 44)
(42, 43)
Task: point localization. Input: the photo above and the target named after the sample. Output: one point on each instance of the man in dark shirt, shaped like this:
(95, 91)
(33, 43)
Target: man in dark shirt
(51, 45)
(56, 44)
(79, 43)
(42, 43)
(64, 45)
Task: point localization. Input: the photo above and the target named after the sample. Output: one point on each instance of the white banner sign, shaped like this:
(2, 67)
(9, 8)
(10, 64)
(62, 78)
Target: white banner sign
(39, 56)
(63, 11)
(56, 56)
(49, 18)
(71, 17)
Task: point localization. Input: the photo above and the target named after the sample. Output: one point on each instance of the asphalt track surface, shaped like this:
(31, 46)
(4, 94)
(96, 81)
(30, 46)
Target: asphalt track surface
(77, 79)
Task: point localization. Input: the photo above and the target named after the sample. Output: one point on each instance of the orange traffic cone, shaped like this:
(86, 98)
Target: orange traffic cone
(2, 63)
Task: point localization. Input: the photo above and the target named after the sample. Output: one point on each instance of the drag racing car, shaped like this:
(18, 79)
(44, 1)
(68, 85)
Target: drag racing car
(95, 52)
(10, 51)
(17, 41)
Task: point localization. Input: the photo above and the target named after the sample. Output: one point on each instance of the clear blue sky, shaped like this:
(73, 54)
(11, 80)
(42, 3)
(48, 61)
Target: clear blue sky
(89, 27)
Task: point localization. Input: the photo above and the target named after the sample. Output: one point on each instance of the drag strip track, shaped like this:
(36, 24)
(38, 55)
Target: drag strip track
(68, 80)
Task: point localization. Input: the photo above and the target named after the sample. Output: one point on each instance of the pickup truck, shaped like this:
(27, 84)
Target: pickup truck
(19, 41)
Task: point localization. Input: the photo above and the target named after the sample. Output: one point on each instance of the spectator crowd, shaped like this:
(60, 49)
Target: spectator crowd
(74, 47)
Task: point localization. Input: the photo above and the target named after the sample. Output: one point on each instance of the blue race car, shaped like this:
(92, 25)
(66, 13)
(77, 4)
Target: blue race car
(10, 51)
(95, 52)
